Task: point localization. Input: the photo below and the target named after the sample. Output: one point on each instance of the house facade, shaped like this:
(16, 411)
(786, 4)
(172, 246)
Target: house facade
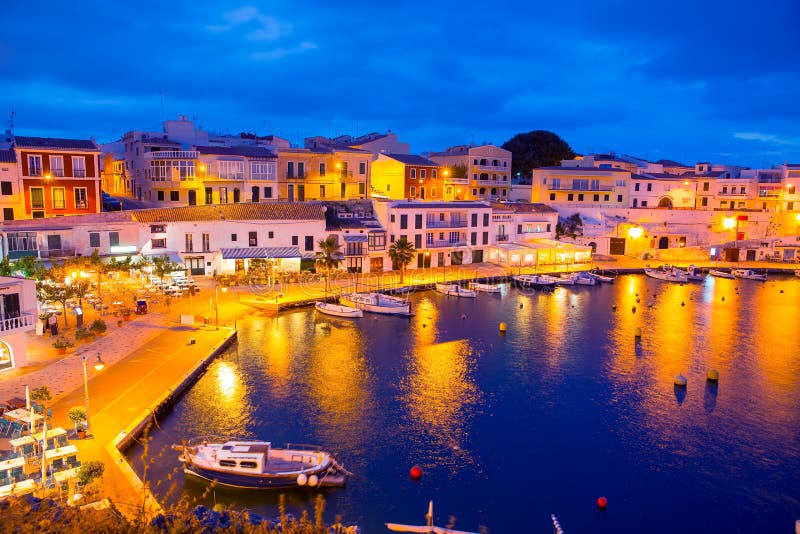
(18, 315)
(323, 173)
(11, 198)
(581, 187)
(407, 176)
(475, 172)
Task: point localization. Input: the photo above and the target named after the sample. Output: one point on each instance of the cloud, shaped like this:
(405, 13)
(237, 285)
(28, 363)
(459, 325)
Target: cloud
(766, 138)
(262, 27)
(278, 53)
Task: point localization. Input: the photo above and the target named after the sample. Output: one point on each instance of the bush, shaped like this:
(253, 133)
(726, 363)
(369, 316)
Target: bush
(98, 326)
(82, 333)
(77, 414)
(90, 471)
(62, 342)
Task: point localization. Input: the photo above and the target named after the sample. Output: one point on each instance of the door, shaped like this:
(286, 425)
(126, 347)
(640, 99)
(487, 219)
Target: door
(457, 257)
(663, 243)
(376, 264)
(616, 246)
(423, 260)
(54, 245)
(751, 255)
(301, 193)
(10, 305)
(440, 259)
(290, 192)
(197, 265)
(255, 194)
(477, 256)
(192, 198)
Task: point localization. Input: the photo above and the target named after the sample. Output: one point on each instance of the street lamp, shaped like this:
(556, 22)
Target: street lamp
(216, 304)
(98, 365)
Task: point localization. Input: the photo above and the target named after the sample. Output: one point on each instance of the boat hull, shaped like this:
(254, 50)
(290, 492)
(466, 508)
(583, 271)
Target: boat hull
(485, 288)
(379, 304)
(533, 281)
(261, 482)
(659, 274)
(338, 311)
(721, 274)
(455, 290)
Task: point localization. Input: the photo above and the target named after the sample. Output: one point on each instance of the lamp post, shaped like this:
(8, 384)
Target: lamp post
(216, 304)
(98, 365)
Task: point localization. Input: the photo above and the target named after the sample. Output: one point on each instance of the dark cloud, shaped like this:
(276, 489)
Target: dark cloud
(677, 79)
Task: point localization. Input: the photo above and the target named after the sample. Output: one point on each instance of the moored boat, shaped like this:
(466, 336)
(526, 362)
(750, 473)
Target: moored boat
(585, 279)
(667, 273)
(338, 310)
(455, 290)
(797, 272)
(749, 274)
(485, 288)
(693, 273)
(566, 279)
(534, 280)
(377, 303)
(720, 274)
(600, 277)
(257, 465)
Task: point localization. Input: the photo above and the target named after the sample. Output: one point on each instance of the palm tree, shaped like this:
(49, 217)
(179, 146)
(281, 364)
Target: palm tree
(401, 253)
(328, 257)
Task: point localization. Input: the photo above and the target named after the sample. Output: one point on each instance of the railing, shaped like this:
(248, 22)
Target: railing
(35, 171)
(172, 154)
(452, 223)
(79, 173)
(24, 322)
(16, 254)
(298, 176)
(459, 180)
(587, 189)
(502, 238)
(731, 194)
(56, 252)
(58, 173)
(491, 167)
(444, 243)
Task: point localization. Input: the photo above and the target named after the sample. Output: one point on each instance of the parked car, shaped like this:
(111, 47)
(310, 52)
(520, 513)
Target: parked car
(111, 204)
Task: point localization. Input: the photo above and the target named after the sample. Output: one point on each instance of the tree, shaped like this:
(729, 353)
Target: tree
(162, 266)
(538, 148)
(569, 226)
(401, 253)
(50, 291)
(328, 257)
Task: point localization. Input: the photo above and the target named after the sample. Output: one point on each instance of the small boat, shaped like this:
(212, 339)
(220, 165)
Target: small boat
(534, 280)
(797, 272)
(600, 277)
(455, 290)
(566, 279)
(720, 274)
(667, 273)
(693, 273)
(485, 288)
(585, 279)
(338, 310)
(377, 303)
(749, 274)
(428, 528)
(257, 465)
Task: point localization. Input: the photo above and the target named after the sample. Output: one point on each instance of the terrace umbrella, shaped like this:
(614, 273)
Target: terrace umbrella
(44, 448)
(27, 397)
(33, 421)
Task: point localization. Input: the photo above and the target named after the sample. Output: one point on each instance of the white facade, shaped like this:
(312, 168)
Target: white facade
(18, 315)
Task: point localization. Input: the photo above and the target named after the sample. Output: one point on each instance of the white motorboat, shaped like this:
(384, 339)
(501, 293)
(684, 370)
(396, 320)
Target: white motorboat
(720, 274)
(749, 274)
(667, 273)
(566, 279)
(428, 528)
(377, 303)
(257, 465)
(338, 310)
(693, 273)
(534, 280)
(455, 290)
(585, 279)
(485, 288)
(600, 277)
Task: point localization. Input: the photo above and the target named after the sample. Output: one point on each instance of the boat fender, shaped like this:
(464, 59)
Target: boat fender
(302, 479)
(313, 480)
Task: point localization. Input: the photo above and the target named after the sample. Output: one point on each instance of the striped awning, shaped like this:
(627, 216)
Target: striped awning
(260, 252)
(355, 239)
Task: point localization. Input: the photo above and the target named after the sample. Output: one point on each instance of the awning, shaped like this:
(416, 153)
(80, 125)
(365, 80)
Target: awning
(260, 253)
(355, 239)
(172, 255)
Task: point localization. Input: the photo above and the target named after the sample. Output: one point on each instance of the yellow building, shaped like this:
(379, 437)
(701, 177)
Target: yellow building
(323, 173)
(406, 176)
(475, 173)
(581, 187)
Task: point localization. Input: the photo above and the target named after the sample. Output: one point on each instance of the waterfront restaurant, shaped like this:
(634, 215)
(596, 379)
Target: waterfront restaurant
(539, 253)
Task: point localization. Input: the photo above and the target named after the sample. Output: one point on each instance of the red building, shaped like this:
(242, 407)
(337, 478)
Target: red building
(59, 176)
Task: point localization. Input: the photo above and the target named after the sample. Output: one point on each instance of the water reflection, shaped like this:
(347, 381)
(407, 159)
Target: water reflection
(222, 405)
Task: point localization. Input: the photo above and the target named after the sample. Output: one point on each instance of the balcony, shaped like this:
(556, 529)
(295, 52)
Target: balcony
(347, 177)
(35, 171)
(298, 176)
(79, 173)
(57, 173)
(456, 180)
(17, 254)
(444, 243)
(588, 189)
(502, 238)
(56, 253)
(492, 168)
(452, 223)
(731, 194)
(172, 154)
(23, 323)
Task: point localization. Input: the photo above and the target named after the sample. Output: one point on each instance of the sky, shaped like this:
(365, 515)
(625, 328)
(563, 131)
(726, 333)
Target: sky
(683, 80)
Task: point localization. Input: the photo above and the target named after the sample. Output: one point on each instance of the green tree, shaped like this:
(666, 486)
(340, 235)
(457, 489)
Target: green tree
(569, 226)
(327, 258)
(50, 291)
(535, 149)
(162, 266)
(401, 253)
(29, 267)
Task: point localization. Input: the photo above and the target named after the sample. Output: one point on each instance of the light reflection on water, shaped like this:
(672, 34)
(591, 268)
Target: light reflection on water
(563, 408)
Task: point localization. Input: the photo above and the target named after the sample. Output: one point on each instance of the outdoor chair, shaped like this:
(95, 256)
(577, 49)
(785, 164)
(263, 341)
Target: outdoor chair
(4, 425)
(5, 481)
(17, 474)
(49, 413)
(16, 430)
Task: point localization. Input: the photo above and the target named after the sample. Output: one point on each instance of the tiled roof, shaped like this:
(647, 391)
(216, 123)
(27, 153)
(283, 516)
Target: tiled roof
(440, 205)
(260, 252)
(53, 142)
(670, 163)
(412, 159)
(246, 151)
(522, 207)
(8, 156)
(271, 211)
(55, 223)
(579, 169)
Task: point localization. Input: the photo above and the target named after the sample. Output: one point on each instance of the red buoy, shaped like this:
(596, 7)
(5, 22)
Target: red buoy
(415, 472)
(602, 502)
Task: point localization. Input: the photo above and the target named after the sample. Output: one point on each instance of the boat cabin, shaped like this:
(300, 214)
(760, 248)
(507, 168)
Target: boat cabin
(244, 455)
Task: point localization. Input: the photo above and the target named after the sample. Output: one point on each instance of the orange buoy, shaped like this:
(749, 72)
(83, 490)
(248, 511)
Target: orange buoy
(415, 472)
(602, 503)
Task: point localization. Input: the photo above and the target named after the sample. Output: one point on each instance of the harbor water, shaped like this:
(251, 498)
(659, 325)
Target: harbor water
(565, 407)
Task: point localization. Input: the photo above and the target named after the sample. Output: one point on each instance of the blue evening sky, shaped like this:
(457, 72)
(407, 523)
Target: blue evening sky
(688, 80)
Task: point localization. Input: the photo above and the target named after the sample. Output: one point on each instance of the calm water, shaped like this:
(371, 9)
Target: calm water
(564, 408)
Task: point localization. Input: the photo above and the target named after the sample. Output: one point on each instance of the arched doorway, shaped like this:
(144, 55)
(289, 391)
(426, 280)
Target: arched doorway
(665, 202)
(663, 242)
(594, 247)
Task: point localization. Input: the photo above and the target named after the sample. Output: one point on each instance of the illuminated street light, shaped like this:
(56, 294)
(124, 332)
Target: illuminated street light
(98, 365)
(635, 232)
(729, 223)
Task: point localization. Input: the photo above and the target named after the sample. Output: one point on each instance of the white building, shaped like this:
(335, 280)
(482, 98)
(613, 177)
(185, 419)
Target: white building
(18, 315)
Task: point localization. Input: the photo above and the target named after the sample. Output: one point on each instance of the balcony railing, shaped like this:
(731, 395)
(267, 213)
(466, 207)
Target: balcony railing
(26, 321)
(35, 171)
(456, 180)
(571, 187)
(58, 173)
(296, 176)
(731, 194)
(172, 154)
(502, 238)
(452, 223)
(56, 252)
(79, 173)
(493, 168)
(444, 243)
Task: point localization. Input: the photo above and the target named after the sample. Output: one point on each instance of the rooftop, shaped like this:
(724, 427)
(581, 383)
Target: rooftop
(246, 151)
(412, 159)
(8, 156)
(54, 142)
(268, 211)
(522, 207)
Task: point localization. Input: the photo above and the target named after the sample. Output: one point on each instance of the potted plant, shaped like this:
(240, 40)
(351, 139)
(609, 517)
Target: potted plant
(61, 344)
(77, 414)
(126, 314)
(98, 326)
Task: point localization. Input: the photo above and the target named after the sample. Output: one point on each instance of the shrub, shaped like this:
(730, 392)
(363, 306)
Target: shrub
(89, 471)
(119, 322)
(77, 414)
(82, 333)
(62, 342)
(98, 326)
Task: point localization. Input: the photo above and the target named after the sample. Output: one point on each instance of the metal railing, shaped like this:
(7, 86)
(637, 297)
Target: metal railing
(79, 173)
(501, 238)
(172, 154)
(444, 243)
(56, 252)
(452, 223)
(586, 189)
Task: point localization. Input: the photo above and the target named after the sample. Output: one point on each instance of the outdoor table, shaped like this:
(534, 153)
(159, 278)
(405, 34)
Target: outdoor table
(61, 452)
(25, 487)
(23, 416)
(52, 436)
(21, 442)
(64, 476)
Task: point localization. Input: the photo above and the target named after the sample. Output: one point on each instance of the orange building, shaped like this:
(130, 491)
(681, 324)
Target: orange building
(406, 176)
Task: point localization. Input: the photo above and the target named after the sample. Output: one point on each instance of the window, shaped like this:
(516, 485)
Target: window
(789, 206)
(376, 241)
(412, 191)
(725, 190)
(423, 173)
(474, 221)
(391, 217)
(704, 202)
(175, 196)
(790, 189)
(6, 189)
(635, 202)
(270, 235)
(433, 192)
(570, 197)
(413, 173)
(619, 198)
(418, 221)
(362, 188)
(234, 237)
(486, 219)
(254, 194)
(57, 166)
(301, 169)
(80, 198)
(231, 170)
(556, 183)
(433, 173)
(705, 186)
(418, 241)
(742, 190)
(290, 169)
(309, 243)
(596, 198)
(295, 240)
(160, 195)
(362, 167)
(113, 239)
(580, 184)
(322, 191)
(636, 186)
(322, 169)
(189, 244)
(473, 238)
(403, 221)
(267, 192)
(20, 241)
(236, 194)
(620, 183)
(485, 238)
(8, 214)
(262, 171)
(59, 198)
(206, 242)
(37, 214)
(644, 203)
(223, 195)
(252, 239)
(552, 196)
(34, 165)
(580, 197)
(649, 187)
(209, 195)
(606, 197)
(79, 166)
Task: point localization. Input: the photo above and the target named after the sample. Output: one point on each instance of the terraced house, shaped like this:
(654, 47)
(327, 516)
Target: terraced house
(475, 172)
(323, 173)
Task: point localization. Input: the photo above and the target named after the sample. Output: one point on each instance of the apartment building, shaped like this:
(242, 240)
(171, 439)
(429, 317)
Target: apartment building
(360, 234)
(397, 176)
(323, 173)
(226, 175)
(662, 190)
(581, 187)
(58, 176)
(11, 198)
(18, 315)
(374, 143)
(475, 172)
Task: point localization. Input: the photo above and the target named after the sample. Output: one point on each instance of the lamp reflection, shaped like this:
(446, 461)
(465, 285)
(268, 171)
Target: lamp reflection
(221, 404)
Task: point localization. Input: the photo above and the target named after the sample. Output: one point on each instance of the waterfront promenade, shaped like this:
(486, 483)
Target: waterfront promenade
(150, 354)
